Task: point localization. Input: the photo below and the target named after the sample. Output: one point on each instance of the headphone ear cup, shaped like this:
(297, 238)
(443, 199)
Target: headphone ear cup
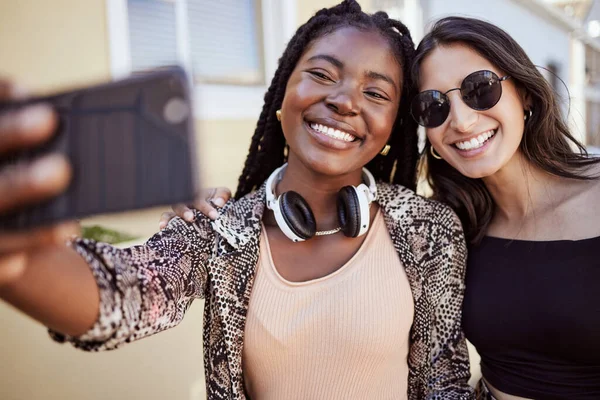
(297, 215)
(348, 209)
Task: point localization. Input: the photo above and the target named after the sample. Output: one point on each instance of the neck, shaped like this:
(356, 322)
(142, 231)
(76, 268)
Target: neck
(519, 189)
(320, 191)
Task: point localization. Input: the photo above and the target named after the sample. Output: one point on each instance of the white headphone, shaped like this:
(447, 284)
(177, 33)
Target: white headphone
(296, 220)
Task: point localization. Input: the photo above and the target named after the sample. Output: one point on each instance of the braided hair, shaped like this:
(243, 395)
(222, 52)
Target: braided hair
(267, 149)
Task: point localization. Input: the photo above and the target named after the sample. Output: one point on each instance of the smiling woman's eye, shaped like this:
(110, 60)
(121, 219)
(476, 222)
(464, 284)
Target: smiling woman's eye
(319, 75)
(376, 95)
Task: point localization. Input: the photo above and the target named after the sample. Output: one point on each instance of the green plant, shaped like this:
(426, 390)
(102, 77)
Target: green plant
(101, 234)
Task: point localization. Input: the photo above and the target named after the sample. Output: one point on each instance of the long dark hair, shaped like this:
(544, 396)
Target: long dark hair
(547, 142)
(267, 147)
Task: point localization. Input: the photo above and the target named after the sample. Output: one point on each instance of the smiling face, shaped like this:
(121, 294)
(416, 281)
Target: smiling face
(477, 143)
(341, 101)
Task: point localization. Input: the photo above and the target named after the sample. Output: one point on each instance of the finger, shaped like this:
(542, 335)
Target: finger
(221, 196)
(165, 218)
(24, 184)
(184, 212)
(209, 194)
(206, 208)
(31, 239)
(26, 127)
(12, 267)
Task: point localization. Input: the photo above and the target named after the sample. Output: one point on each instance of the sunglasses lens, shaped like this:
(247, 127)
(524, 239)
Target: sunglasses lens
(430, 108)
(481, 90)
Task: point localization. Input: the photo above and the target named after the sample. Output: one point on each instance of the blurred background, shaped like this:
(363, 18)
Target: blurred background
(230, 48)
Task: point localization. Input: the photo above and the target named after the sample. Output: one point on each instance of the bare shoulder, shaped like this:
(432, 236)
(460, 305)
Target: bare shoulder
(577, 209)
(593, 192)
(590, 189)
(595, 172)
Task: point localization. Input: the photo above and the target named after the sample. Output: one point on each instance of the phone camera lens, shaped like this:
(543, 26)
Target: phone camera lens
(176, 110)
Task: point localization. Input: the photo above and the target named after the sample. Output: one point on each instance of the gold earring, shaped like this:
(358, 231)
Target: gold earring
(434, 154)
(385, 150)
(278, 115)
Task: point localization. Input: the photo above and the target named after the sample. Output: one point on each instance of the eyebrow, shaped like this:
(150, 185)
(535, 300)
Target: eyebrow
(330, 59)
(381, 77)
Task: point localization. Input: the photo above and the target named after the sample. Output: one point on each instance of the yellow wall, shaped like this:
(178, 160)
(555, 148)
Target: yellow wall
(222, 149)
(165, 366)
(50, 44)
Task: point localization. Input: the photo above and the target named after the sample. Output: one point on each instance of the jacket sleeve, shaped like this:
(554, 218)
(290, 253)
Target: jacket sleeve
(450, 368)
(144, 289)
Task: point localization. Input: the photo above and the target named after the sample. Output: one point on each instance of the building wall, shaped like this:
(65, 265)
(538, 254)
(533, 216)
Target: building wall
(47, 45)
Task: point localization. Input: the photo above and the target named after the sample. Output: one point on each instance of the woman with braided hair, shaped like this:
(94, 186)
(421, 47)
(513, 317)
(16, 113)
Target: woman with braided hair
(332, 279)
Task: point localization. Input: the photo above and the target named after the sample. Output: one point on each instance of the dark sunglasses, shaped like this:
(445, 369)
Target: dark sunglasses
(480, 90)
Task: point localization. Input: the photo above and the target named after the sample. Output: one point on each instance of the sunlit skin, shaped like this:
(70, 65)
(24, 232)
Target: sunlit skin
(444, 69)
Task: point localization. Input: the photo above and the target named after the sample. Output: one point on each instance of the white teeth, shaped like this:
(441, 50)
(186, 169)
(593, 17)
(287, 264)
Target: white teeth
(334, 133)
(476, 142)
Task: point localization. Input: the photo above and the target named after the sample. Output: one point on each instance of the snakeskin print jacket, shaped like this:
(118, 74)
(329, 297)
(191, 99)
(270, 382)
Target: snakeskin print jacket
(146, 289)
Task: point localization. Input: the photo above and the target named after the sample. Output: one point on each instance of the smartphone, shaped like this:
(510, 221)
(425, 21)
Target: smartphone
(130, 144)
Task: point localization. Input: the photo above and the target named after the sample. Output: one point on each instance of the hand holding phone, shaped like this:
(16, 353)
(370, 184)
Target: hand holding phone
(28, 183)
(130, 145)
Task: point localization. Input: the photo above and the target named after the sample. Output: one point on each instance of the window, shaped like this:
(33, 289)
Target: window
(593, 123)
(592, 65)
(223, 38)
(551, 73)
(152, 33)
(235, 55)
(229, 47)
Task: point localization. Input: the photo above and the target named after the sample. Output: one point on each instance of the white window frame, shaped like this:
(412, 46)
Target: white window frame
(212, 101)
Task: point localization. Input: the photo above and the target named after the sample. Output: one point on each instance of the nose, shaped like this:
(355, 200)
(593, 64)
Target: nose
(462, 117)
(343, 101)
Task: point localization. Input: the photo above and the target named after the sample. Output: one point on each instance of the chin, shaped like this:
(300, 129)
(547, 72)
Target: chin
(329, 165)
(478, 173)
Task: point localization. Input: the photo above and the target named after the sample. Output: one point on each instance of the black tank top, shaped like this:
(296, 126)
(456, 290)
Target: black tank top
(532, 310)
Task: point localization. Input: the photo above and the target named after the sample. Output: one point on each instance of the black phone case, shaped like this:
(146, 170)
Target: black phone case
(128, 149)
